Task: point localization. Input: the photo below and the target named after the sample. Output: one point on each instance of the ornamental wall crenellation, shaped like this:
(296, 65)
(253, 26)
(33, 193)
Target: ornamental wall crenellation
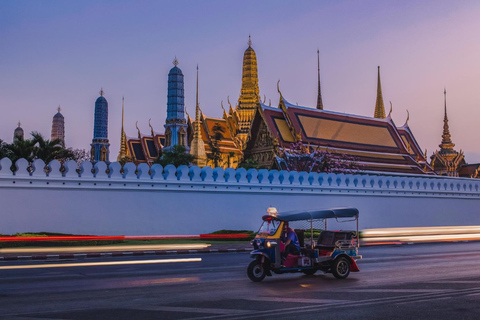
(240, 180)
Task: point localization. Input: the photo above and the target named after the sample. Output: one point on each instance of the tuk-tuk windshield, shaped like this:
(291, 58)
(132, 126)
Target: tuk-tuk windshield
(268, 228)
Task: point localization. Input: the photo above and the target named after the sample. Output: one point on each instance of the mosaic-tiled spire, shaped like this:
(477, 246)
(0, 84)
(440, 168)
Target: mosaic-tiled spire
(175, 124)
(100, 144)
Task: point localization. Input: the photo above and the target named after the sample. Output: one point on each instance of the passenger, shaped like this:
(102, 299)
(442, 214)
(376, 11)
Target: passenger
(290, 239)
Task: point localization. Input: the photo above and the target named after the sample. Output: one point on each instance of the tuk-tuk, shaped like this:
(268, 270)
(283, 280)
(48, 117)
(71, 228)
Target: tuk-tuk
(333, 252)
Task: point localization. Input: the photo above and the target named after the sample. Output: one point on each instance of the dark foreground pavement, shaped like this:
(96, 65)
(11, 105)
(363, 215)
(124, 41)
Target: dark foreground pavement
(440, 281)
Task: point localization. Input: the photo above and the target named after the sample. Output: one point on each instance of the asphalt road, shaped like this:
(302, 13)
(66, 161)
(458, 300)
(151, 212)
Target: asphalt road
(435, 281)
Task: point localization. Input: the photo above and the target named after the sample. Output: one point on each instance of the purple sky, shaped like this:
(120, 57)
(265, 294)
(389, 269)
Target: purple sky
(62, 52)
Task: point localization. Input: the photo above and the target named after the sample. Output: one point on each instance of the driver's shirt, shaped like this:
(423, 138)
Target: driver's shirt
(293, 236)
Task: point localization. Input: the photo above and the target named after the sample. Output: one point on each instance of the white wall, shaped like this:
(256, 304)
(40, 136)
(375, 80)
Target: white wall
(192, 200)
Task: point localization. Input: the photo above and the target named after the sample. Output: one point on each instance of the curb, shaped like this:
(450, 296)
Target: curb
(68, 256)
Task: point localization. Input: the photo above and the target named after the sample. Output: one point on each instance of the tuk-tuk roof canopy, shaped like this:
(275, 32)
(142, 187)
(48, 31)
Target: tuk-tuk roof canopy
(315, 214)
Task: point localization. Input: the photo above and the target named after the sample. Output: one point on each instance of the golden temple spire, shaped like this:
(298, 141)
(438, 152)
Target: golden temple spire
(447, 143)
(249, 94)
(319, 96)
(123, 153)
(379, 107)
(197, 147)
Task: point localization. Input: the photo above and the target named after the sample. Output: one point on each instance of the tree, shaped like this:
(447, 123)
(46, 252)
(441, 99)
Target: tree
(20, 148)
(48, 150)
(305, 158)
(177, 156)
(216, 155)
(3, 149)
(249, 164)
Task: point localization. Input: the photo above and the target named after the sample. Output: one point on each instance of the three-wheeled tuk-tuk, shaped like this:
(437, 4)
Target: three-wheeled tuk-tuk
(333, 252)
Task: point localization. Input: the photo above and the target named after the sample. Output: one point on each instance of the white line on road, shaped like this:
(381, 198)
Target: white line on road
(196, 310)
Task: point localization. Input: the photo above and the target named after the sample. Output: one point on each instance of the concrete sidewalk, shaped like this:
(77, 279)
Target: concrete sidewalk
(60, 253)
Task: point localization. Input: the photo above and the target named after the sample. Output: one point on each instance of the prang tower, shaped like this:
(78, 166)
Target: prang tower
(100, 145)
(175, 124)
(58, 127)
(249, 94)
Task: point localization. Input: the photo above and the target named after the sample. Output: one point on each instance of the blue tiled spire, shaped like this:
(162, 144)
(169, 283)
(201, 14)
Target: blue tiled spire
(175, 124)
(100, 144)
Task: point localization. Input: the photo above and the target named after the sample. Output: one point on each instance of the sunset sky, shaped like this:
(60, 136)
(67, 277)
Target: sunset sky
(62, 52)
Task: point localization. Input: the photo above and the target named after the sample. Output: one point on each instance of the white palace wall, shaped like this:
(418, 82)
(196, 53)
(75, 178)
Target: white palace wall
(192, 200)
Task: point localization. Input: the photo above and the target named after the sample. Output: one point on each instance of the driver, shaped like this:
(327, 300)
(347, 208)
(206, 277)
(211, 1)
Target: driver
(290, 238)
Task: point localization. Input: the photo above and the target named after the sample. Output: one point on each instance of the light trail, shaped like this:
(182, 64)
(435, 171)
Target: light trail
(93, 264)
(109, 248)
(420, 234)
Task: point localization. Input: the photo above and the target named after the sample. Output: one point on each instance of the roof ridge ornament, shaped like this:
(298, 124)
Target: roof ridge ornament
(151, 128)
(139, 134)
(391, 109)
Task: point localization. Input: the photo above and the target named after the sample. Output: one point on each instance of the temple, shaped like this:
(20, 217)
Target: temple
(18, 133)
(58, 127)
(253, 130)
(100, 145)
(449, 162)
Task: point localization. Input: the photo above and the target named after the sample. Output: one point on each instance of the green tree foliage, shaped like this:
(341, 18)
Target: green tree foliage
(49, 150)
(177, 156)
(249, 164)
(216, 155)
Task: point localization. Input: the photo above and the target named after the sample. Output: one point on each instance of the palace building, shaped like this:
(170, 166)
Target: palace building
(253, 130)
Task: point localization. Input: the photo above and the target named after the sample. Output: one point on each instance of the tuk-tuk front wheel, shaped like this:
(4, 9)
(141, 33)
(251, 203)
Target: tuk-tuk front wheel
(341, 268)
(256, 271)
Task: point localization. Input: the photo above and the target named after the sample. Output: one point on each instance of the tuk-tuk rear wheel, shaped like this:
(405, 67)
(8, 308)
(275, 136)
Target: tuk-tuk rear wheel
(255, 271)
(341, 268)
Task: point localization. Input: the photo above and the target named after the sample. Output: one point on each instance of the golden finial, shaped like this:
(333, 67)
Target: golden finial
(278, 86)
(101, 92)
(228, 100)
(249, 41)
(425, 154)
(269, 102)
(151, 128)
(175, 61)
(139, 134)
(391, 109)
(59, 109)
(408, 117)
(221, 103)
(19, 124)
(264, 98)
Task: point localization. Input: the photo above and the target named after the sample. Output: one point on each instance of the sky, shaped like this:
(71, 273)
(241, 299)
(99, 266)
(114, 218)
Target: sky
(63, 52)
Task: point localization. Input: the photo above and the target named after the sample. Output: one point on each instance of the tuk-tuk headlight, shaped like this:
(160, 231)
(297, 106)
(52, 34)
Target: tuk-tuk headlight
(269, 244)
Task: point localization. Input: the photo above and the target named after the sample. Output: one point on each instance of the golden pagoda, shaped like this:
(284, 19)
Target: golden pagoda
(379, 107)
(249, 94)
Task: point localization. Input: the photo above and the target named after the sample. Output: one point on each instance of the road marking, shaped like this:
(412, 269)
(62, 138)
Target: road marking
(424, 300)
(296, 300)
(196, 310)
(396, 290)
(93, 264)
